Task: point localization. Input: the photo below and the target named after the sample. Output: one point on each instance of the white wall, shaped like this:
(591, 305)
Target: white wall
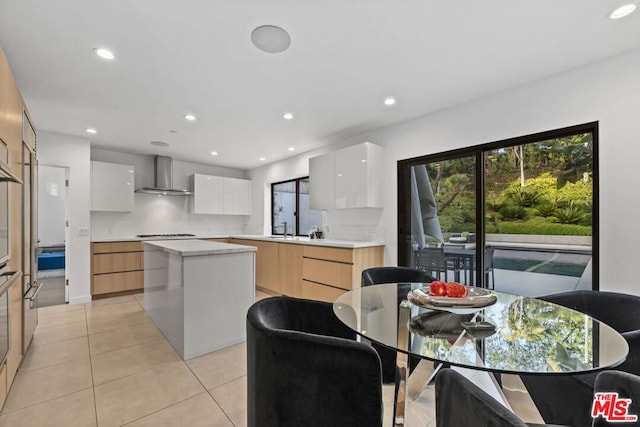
(52, 199)
(154, 214)
(73, 152)
(607, 92)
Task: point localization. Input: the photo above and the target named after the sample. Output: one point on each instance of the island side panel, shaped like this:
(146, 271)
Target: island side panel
(164, 294)
(218, 290)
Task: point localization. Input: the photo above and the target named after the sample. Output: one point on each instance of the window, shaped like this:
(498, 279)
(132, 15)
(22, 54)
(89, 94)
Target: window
(290, 206)
(515, 215)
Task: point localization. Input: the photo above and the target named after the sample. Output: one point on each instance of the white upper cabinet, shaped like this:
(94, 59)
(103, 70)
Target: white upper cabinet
(321, 182)
(237, 196)
(220, 195)
(207, 195)
(347, 178)
(111, 187)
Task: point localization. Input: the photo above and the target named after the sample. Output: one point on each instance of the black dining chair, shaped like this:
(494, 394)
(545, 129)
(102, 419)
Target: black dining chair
(390, 274)
(434, 262)
(488, 267)
(627, 386)
(304, 368)
(460, 403)
(566, 399)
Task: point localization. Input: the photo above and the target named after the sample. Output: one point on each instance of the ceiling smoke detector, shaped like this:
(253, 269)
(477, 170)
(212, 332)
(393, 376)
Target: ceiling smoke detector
(271, 39)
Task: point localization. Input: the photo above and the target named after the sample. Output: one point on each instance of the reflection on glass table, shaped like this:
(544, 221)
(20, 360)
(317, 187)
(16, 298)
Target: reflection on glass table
(518, 335)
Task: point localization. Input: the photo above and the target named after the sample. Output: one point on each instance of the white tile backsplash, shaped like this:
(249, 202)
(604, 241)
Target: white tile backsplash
(362, 224)
(161, 214)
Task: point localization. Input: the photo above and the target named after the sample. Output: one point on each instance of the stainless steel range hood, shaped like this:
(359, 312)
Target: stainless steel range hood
(163, 179)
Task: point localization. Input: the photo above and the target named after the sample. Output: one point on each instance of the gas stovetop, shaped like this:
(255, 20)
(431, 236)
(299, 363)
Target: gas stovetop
(167, 235)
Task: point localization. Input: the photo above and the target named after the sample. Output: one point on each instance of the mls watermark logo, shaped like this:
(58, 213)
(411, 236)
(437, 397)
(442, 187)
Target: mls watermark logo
(612, 408)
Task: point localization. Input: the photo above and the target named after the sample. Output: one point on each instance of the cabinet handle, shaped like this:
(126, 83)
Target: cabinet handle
(14, 275)
(32, 298)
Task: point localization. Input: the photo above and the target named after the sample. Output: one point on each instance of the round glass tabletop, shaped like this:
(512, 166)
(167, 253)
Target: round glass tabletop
(515, 334)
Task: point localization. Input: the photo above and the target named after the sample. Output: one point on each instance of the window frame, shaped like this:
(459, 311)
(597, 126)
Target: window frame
(404, 191)
(297, 207)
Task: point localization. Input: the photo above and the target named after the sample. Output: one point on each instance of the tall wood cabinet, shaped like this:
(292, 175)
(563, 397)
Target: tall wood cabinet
(18, 134)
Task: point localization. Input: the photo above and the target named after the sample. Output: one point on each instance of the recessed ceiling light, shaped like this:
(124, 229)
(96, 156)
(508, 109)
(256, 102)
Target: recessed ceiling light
(287, 116)
(622, 11)
(291, 148)
(271, 39)
(389, 101)
(262, 159)
(159, 143)
(189, 117)
(104, 53)
(91, 130)
(214, 153)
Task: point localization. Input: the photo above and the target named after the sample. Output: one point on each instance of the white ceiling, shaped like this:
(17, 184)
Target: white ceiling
(195, 56)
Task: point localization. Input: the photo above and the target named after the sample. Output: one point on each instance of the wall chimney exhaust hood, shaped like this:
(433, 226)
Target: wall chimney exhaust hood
(163, 179)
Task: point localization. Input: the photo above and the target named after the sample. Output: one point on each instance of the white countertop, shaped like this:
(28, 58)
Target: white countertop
(195, 247)
(349, 244)
(299, 240)
(144, 239)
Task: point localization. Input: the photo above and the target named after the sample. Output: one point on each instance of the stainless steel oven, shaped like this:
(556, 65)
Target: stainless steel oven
(7, 278)
(6, 176)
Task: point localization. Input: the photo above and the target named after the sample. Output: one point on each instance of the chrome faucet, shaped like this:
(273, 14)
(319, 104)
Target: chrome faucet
(284, 226)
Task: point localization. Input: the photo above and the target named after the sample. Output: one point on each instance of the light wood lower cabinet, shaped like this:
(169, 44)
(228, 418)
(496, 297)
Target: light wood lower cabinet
(116, 267)
(311, 290)
(290, 269)
(267, 264)
(329, 272)
(312, 272)
(14, 356)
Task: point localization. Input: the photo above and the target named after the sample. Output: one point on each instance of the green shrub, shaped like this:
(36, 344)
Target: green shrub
(493, 204)
(569, 215)
(512, 212)
(545, 209)
(541, 226)
(554, 199)
(524, 196)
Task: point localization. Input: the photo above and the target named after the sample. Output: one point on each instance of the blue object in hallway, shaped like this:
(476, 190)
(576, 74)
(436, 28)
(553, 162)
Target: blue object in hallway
(51, 261)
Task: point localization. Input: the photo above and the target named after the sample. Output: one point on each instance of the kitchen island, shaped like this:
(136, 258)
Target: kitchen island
(198, 292)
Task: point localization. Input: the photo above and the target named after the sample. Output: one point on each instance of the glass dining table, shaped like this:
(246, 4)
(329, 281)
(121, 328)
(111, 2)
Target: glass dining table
(515, 335)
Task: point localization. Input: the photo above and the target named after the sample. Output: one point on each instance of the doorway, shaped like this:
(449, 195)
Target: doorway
(53, 235)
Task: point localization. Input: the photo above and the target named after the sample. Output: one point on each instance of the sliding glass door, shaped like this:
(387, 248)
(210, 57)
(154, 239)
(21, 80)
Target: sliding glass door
(514, 215)
(443, 218)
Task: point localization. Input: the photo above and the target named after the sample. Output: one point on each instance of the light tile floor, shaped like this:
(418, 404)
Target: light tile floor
(106, 364)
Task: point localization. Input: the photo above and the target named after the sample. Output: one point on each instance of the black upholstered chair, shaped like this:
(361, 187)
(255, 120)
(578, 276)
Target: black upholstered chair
(304, 368)
(460, 403)
(627, 386)
(379, 275)
(567, 399)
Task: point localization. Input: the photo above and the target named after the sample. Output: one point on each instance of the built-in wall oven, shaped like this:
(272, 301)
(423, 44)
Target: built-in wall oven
(7, 278)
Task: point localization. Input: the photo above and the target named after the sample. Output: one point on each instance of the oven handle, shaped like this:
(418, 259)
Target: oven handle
(32, 298)
(14, 275)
